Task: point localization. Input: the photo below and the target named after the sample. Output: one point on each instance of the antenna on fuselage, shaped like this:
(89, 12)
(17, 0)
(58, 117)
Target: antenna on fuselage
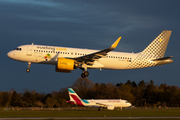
(32, 44)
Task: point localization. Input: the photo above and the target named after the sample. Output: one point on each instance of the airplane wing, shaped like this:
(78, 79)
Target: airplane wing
(103, 104)
(97, 55)
(108, 106)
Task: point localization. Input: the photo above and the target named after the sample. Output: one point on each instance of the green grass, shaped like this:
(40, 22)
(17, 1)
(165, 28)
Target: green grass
(91, 113)
(113, 119)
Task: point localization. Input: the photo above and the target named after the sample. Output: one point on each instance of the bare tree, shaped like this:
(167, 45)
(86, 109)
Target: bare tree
(82, 85)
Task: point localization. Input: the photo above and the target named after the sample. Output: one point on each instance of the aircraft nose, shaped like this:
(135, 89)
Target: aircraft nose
(130, 104)
(10, 54)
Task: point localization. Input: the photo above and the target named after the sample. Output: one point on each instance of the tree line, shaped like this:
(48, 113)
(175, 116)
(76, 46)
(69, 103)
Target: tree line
(140, 95)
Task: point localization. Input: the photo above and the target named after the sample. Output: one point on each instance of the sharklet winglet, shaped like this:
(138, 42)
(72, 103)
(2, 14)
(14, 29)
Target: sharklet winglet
(114, 45)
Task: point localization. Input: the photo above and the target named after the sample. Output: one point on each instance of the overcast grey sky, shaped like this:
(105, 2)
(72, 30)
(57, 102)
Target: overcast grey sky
(93, 24)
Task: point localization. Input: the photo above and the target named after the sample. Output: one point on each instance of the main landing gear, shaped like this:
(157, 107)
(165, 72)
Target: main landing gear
(28, 69)
(84, 74)
(100, 108)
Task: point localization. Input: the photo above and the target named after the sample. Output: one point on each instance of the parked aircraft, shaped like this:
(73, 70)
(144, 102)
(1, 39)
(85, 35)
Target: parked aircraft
(109, 104)
(67, 59)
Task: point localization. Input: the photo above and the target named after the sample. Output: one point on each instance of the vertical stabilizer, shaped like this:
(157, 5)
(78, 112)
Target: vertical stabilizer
(158, 46)
(73, 95)
(153, 54)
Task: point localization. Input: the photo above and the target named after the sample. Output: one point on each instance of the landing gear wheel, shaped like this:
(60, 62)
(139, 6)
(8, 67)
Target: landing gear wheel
(86, 73)
(27, 70)
(83, 75)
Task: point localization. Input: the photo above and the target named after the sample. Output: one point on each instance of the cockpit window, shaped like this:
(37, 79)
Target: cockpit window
(18, 49)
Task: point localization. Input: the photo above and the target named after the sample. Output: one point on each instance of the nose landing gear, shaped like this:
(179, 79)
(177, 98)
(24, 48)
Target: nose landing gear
(28, 69)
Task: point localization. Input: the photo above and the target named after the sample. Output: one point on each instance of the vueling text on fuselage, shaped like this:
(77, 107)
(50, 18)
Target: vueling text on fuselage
(51, 48)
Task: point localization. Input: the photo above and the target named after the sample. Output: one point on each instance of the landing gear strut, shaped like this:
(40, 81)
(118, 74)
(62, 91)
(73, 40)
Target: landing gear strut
(28, 69)
(100, 109)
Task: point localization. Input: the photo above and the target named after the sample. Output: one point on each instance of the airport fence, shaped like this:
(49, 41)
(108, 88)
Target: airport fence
(79, 108)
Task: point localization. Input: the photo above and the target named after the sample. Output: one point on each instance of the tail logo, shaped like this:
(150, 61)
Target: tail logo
(77, 100)
(71, 91)
(155, 50)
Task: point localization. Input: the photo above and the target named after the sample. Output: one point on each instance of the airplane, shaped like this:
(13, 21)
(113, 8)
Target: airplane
(109, 104)
(67, 59)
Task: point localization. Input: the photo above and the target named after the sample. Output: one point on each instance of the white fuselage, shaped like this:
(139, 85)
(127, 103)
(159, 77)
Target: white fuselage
(37, 54)
(110, 102)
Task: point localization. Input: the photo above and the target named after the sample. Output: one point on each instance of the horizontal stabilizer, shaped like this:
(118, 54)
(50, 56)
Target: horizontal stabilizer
(164, 60)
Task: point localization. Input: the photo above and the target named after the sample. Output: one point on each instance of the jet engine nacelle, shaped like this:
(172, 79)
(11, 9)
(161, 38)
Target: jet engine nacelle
(64, 65)
(110, 107)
